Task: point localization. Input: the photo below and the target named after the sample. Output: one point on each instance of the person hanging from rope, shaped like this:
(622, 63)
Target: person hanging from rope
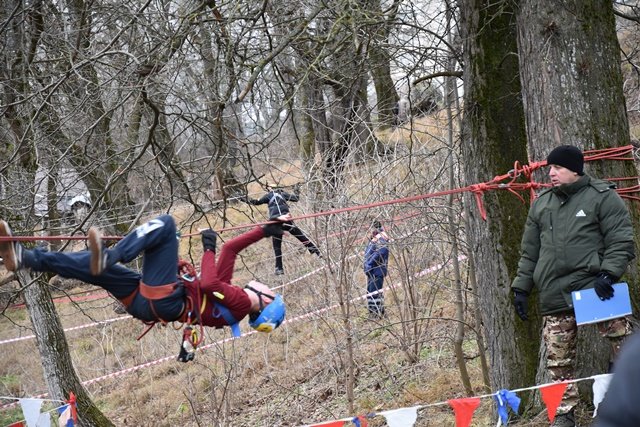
(167, 289)
(277, 199)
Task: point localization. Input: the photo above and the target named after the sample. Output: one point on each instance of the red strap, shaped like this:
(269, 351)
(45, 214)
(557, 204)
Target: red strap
(156, 292)
(126, 301)
(147, 329)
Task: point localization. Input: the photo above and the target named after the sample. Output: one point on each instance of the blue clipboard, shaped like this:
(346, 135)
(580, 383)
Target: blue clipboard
(589, 308)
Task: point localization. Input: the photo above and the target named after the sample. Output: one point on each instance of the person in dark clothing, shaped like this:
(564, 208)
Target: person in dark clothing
(376, 259)
(167, 289)
(578, 235)
(620, 408)
(277, 199)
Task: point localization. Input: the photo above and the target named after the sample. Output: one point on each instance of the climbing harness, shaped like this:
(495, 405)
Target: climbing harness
(190, 336)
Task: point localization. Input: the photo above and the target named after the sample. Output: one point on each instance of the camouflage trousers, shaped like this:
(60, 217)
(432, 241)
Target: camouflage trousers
(559, 332)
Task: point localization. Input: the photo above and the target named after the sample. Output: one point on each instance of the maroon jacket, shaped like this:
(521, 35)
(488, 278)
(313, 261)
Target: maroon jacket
(214, 288)
(215, 281)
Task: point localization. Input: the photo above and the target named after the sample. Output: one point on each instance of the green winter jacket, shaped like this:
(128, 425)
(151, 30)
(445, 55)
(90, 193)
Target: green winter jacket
(573, 232)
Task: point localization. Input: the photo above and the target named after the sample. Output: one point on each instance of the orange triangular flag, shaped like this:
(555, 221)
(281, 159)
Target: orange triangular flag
(464, 409)
(552, 396)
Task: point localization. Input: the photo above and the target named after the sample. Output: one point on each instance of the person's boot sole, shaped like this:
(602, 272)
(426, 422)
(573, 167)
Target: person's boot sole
(96, 266)
(6, 248)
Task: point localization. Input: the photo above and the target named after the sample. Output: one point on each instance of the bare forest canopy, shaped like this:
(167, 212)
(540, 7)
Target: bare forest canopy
(115, 111)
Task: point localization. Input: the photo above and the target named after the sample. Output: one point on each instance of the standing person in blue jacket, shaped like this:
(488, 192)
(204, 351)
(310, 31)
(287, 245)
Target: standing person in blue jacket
(376, 259)
(276, 199)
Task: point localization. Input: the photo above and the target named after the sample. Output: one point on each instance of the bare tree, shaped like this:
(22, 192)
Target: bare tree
(159, 104)
(379, 26)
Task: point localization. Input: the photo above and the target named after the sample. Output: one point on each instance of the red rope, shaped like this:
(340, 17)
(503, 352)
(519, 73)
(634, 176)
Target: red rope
(68, 298)
(615, 153)
(478, 190)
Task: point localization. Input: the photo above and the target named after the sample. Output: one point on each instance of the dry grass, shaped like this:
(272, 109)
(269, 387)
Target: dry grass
(299, 374)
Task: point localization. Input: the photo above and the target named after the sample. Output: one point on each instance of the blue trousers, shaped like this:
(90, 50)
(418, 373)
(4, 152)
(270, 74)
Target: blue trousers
(158, 243)
(375, 303)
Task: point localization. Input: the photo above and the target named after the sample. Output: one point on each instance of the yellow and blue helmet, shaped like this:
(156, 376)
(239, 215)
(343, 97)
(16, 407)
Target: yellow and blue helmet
(270, 316)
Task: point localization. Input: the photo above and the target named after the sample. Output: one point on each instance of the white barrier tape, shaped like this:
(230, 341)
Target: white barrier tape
(75, 328)
(295, 319)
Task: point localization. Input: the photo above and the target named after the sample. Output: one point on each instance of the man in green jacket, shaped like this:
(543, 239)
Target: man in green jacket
(578, 235)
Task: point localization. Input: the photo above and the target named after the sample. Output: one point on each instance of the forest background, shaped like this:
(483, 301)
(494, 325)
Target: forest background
(113, 112)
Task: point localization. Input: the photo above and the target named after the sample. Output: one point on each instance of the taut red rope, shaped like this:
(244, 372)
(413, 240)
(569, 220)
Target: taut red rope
(478, 190)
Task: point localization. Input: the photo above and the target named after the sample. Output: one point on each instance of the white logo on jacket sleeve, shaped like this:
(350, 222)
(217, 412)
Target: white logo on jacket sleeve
(581, 213)
(148, 227)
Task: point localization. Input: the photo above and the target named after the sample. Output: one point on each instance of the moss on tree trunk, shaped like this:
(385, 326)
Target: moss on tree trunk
(493, 139)
(572, 91)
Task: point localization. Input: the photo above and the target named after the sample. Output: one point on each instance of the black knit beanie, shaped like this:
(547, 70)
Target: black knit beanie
(567, 156)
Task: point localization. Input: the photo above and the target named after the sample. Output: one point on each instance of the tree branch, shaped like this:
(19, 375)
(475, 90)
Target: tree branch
(440, 74)
(284, 44)
(623, 15)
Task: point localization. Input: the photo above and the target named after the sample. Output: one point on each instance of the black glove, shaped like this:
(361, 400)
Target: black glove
(603, 285)
(209, 239)
(520, 303)
(185, 356)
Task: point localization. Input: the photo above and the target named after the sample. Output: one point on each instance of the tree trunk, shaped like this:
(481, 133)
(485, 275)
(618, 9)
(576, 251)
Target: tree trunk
(84, 90)
(387, 96)
(351, 126)
(380, 61)
(572, 92)
(453, 216)
(56, 360)
(319, 116)
(59, 373)
(493, 138)
(218, 92)
(307, 136)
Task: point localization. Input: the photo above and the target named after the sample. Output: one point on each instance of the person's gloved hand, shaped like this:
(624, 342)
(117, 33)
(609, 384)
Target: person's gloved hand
(208, 239)
(603, 287)
(185, 356)
(520, 303)
(186, 270)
